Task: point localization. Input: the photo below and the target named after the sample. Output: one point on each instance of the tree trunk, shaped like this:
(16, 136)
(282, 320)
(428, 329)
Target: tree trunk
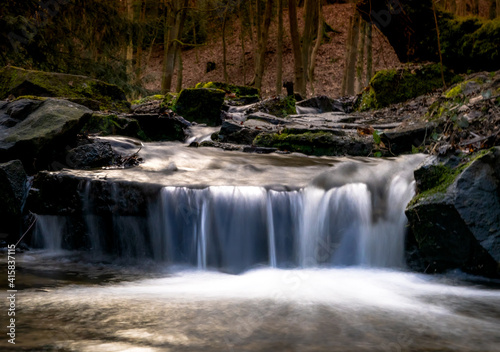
(300, 83)
(348, 48)
(180, 69)
(308, 34)
(259, 69)
(461, 7)
(224, 49)
(279, 50)
(369, 53)
(361, 56)
(242, 41)
(177, 17)
(353, 53)
(475, 7)
(130, 45)
(498, 8)
(140, 42)
(319, 38)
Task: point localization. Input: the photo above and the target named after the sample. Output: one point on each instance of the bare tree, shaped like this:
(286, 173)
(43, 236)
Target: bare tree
(279, 50)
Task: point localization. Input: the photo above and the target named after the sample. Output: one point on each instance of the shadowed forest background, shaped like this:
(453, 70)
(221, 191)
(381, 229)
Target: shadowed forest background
(148, 46)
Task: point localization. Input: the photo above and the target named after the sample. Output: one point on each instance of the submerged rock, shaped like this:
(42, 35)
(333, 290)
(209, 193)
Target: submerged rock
(455, 218)
(35, 130)
(19, 82)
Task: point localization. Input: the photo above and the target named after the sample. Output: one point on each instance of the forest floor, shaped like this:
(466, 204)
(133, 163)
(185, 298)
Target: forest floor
(329, 64)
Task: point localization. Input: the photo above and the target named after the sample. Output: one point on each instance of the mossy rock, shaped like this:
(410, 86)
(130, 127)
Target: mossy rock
(278, 106)
(19, 82)
(148, 99)
(239, 91)
(470, 43)
(315, 143)
(40, 129)
(398, 85)
(111, 124)
(201, 105)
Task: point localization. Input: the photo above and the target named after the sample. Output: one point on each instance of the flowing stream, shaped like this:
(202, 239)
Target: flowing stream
(242, 252)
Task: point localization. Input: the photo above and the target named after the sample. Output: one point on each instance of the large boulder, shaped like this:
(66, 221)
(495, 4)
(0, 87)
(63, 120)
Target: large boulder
(398, 85)
(455, 218)
(201, 105)
(112, 124)
(165, 127)
(36, 129)
(83, 90)
(13, 192)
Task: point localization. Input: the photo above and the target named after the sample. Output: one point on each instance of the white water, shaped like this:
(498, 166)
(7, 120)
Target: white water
(321, 266)
(234, 228)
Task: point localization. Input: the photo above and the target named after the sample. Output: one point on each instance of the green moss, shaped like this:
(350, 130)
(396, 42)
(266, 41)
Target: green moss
(279, 106)
(201, 105)
(394, 86)
(470, 43)
(239, 91)
(111, 124)
(169, 100)
(148, 99)
(435, 180)
(312, 143)
(19, 82)
(31, 97)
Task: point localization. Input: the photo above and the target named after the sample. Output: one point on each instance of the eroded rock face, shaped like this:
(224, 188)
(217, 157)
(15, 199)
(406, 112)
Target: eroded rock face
(34, 129)
(13, 194)
(455, 220)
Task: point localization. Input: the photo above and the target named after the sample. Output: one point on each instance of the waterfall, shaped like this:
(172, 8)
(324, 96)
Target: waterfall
(354, 216)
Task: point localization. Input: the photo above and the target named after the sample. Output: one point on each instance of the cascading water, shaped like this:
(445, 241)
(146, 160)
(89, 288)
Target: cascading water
(349, 217)
(317, 244)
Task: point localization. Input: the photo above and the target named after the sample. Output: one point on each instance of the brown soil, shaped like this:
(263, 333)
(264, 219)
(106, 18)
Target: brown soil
(329, 64)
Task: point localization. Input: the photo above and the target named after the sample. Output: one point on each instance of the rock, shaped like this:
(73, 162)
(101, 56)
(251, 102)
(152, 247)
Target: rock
(237, 91)
(88, 156)
(267, 118)
(455, 218)
(112, 124)
(19, 82)
(13, 193)
(398, 85)
(402, 139)
(61, 193)
(322, 103)
(166, 127)
(201, 105)
(276, 106)
(231, 132)
(154, 104)
(40, 131)
(317, 142)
